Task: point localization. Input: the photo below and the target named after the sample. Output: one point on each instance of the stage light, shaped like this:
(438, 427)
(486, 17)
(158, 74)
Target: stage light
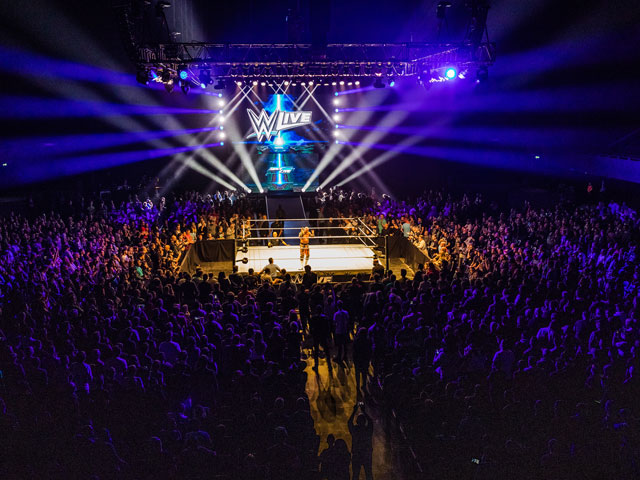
(450, 73)
(336, 94)
(221, 103)
(303, 84)
(221, 127)
(222, 136)
(279, 141)
(286, 82)
(341, 82)
(222, 144)
(142, 76)
(160, 6)
(349, 84)
(220, 85)
(310, 82)
(336, 101)
(202, 85)
(357, 82)
(336, 117)
(239, 83)
(183, 72)
(337, 142)
(378, 83)
(392, 82)
(205, 78)
(293, 84)
(255, 83)
(334, 83)
(262, 84)
(441, 9)
(337, 126)
(336, 133)
(221, 120)
(482, 75)
(337, 110)
(166, 76)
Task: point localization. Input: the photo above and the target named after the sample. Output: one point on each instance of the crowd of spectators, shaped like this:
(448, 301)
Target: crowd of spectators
(511, 353)
(113, 364)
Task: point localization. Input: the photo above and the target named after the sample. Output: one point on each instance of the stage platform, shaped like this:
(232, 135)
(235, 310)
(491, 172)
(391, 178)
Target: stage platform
(327, 259)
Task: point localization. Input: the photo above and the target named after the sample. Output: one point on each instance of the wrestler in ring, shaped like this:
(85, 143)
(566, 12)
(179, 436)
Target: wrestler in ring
(304, 235)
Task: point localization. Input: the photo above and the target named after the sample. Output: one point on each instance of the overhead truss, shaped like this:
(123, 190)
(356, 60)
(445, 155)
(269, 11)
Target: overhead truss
(291, 60)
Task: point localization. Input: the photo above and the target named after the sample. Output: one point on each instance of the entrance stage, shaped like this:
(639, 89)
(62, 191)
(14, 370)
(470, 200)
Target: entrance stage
(325, 259)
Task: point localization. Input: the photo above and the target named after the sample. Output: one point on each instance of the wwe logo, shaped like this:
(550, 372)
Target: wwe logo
(265, 125)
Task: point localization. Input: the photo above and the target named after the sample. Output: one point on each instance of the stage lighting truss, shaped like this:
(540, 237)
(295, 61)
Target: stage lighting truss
(296, 62)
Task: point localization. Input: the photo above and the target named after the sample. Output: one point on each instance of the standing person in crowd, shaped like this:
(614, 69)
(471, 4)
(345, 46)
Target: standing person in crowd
(362, 350)
(342, 460)
(320, 328)
(271, 268)
(328, 459)
(361, 442)
(341, 331)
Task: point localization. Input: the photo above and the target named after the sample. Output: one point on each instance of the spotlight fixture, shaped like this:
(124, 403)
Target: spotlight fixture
(205, 78)
(142, 76)
(357, 82)
(310, 82)
(341, 82)
(334, 83)
(220, 85)
(349, 84)
(441, 9)
(262, 84)
(255, 83)
(239, 83)
(336, 117)
(166, 76)
(450, 73)
(392, 82)
(336, 101)
(378, 83)
(222, 136)
(304, 84)
(160, 6)
(221, 103)
(482, 75)
(183, 73)
(286, 83)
